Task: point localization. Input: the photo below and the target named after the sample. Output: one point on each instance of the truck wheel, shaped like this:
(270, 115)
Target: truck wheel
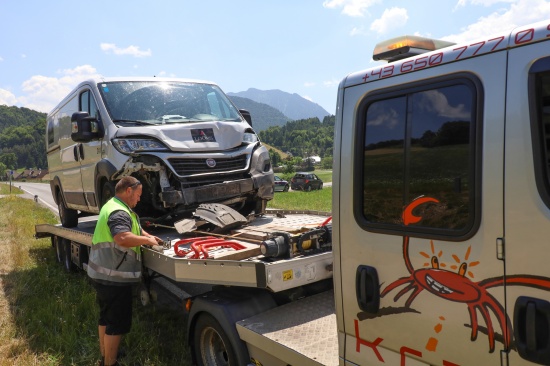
(67, 260)
(68, 217)
(308, 189)
(285, 189)
(211, 344)
(58, 247)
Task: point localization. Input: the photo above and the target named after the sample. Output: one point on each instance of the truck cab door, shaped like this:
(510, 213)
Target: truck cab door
(527, 198)
(419, 212)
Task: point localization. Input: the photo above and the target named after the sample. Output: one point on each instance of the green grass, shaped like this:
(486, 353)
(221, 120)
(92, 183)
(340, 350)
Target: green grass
(49, 317)
(5, 189)
(319, 200)
(324, 175)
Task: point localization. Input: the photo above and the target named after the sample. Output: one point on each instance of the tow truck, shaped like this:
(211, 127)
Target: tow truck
(438, 249)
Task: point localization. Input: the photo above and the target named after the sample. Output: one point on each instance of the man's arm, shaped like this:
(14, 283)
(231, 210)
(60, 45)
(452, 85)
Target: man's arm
(120, 224)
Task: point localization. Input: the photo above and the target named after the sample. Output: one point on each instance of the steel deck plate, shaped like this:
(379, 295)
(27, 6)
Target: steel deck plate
(299, 333)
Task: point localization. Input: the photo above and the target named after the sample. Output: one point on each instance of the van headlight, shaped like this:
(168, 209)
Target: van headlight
(250, 138)
(128, 146)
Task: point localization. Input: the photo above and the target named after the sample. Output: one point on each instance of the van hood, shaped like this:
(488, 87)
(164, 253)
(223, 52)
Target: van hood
(203, 136)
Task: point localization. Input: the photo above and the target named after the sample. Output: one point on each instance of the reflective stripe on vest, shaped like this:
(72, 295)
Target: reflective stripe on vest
(109, 261)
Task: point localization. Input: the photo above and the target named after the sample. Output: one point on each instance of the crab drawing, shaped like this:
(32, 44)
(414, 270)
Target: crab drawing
(458, 287)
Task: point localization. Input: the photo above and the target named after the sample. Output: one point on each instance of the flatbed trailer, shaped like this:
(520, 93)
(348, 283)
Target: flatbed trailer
(277, 310)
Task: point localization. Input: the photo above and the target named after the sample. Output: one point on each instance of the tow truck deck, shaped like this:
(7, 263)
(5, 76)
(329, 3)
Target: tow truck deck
(302, 332)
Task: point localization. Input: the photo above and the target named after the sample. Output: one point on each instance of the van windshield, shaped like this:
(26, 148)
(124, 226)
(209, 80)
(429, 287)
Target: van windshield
(159, 102)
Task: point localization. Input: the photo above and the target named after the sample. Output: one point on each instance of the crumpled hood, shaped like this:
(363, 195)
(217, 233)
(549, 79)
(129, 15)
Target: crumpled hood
(200, 136)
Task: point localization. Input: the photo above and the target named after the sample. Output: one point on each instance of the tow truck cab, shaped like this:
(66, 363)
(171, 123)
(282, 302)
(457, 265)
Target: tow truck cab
(442, 203)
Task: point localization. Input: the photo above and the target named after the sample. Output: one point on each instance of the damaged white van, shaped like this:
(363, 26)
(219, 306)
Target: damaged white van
(183, 139)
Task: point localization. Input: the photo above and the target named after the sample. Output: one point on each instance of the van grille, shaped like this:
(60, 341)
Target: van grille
(190, 166)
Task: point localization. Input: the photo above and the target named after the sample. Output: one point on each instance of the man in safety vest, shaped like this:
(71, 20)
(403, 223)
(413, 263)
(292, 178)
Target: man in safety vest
(115, 264)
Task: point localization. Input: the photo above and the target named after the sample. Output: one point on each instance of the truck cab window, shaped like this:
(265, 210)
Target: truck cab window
(539, 99)
(420, 142)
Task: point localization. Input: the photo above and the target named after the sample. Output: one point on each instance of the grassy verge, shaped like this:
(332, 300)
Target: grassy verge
(319, 200)
(5, 189)
(49, 317)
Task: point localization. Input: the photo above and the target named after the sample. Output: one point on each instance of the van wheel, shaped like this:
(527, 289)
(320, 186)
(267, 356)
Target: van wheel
(68, 216)
(211, 344)
(308, 189)
(107, 192)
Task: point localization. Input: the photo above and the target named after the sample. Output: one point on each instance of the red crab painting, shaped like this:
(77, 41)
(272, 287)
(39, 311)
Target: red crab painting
(457, 287)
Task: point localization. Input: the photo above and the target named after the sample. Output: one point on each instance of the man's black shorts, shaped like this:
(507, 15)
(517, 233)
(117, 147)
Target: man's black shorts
(115, 308)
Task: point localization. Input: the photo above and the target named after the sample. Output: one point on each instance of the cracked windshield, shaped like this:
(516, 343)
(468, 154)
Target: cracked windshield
(153, 103)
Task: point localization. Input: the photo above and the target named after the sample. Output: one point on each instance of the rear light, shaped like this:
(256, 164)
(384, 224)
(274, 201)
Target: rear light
(307, 180)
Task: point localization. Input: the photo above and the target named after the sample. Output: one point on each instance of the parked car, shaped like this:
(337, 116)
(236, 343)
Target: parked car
(281, 185)
(305, 182)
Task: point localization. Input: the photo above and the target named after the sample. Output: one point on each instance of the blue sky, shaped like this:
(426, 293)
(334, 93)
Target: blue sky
(298, 46)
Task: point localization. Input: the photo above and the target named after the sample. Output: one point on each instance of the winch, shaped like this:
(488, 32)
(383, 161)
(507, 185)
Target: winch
(285, 245)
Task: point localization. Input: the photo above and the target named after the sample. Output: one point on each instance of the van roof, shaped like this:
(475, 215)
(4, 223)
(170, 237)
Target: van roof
(517, 37)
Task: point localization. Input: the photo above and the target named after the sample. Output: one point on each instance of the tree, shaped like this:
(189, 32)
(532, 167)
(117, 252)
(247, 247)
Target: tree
(326, 162)
(9, 160)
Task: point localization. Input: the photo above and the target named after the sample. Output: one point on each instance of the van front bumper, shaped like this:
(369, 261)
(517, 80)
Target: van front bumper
(210, 193)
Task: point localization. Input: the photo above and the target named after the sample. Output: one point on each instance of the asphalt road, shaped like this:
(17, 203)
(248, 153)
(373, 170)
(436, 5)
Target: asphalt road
(41, 191)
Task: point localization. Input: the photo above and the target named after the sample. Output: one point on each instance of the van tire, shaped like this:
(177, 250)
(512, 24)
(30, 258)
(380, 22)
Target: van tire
(68, 216)
(107, 192)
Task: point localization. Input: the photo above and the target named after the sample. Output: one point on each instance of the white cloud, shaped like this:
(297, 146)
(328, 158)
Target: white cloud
(392, 18)
(42, 93)
(358, 31)
(435, 101)
(353, 8)
(331, 83)
(7, 98)
(309, 84)
(1, 59)
(521, 12)
(485, 3)
(308, 98)
(130, 50)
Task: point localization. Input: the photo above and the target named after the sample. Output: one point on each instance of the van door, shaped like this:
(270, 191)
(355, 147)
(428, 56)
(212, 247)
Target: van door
(527, 201)
(419, 214)
(89, 153)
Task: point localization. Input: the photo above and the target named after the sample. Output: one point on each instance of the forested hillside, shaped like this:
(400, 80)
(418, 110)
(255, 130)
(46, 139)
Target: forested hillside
(22, 138)
(263, 116)
(305, 137)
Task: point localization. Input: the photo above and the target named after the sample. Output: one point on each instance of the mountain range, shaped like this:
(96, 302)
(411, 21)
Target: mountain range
(290, 107)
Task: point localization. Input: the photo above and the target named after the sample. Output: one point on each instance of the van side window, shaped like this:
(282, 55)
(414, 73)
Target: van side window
(420, 142)
(87, 104)
(539, 105)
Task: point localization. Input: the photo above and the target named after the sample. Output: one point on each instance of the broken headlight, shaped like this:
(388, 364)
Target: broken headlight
(128, 146)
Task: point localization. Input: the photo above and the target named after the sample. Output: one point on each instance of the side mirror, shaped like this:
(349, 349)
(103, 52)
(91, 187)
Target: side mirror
(83, 127)
(246, 115)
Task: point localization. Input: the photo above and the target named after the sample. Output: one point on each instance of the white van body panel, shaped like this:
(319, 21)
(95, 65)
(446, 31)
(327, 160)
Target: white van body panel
(460, 312)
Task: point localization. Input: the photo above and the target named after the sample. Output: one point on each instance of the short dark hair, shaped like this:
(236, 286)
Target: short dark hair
(125, 183)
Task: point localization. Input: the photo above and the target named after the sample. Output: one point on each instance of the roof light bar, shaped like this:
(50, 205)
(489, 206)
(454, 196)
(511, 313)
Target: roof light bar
(406, 46)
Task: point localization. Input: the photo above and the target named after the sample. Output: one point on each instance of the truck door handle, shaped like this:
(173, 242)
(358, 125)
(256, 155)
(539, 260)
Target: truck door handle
(532, 329)
(367, 289)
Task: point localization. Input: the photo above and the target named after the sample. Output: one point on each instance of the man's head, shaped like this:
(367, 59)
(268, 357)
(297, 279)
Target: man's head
(129, 189)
